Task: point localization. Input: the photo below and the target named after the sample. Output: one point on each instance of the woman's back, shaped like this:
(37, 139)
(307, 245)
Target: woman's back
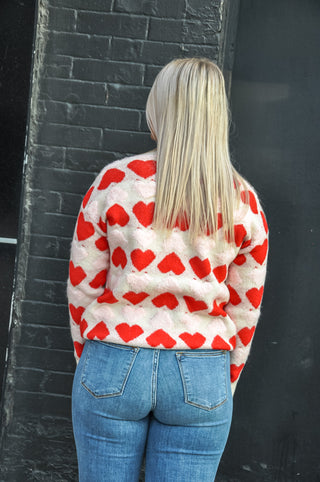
(135, 285)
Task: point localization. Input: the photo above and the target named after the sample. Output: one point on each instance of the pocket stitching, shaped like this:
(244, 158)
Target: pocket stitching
(208, 409)
(109, 395)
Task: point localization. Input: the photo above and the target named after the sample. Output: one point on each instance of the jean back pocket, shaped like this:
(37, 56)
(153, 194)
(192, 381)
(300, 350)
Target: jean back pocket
(106, 368)
(204, 378)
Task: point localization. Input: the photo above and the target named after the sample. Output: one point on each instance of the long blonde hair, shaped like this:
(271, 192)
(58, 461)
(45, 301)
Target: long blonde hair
(187, 113)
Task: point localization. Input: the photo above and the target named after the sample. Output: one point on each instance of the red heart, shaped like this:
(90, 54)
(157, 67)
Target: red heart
(102, 225)
(76, 313)
(119, 257)
(240, 259)
(259, 252)
(201, 267)
(171, 262)
(85, 229)
(99, 280)
(246, 335)
(239, 234)
(234, 297)
(107, 297)
(127, 332)
(76, 274)
(252, 201)
(219, 344)
(100, 331)
(193, 341)
(102, 244)
(265, 224)
(255, 296)
(220, 273)
(235, 371)
(135, 298)
(195, 305)
(143, 168)
(141, 259)
(117, 215)
(233, 341)
(78, 348)
(166, 299)
(83, 326)
(144, 213)
(218, 309)
(87, 197)
(160, 337)
(112, 175)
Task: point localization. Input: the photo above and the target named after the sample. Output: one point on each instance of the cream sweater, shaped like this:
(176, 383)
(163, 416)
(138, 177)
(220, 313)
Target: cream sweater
(131, 285)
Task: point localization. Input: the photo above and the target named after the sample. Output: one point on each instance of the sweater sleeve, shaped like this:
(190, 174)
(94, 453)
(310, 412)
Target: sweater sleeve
(246, 278)
(89, 262)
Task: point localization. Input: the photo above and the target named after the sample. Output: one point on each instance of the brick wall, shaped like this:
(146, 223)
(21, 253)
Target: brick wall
(93, 66)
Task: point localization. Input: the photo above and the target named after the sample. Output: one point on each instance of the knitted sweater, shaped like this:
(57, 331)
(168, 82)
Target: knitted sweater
(132, 285)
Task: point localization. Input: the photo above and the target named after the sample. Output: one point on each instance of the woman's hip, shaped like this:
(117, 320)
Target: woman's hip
(190, 387)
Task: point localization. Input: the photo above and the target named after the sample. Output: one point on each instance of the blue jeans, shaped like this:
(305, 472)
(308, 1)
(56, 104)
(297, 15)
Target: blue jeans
(173, 405)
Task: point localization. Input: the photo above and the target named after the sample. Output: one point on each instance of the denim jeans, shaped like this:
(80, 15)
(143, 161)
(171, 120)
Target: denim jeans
(173, 405)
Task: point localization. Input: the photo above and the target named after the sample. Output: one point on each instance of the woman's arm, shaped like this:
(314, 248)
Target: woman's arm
(245, 281)
(89, 263)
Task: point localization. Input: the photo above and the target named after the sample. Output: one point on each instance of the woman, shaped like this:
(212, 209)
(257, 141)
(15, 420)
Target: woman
(167, 270)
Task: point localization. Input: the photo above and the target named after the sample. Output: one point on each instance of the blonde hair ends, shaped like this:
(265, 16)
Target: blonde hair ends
(187, 112)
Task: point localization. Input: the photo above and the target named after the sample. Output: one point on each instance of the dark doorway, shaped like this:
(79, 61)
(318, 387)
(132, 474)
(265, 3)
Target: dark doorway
(16, 38)
(276, 104)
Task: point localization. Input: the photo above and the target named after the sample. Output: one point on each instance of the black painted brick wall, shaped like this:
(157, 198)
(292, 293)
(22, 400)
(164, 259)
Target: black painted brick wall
(94, 64)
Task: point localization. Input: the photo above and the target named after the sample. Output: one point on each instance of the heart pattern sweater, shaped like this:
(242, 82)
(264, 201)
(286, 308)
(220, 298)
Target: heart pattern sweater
(132, 285)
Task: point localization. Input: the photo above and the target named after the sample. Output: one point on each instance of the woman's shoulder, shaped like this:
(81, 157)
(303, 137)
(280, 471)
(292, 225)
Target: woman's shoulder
(138, 165)
(132, 162)
(250, 211)
(248, 195)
